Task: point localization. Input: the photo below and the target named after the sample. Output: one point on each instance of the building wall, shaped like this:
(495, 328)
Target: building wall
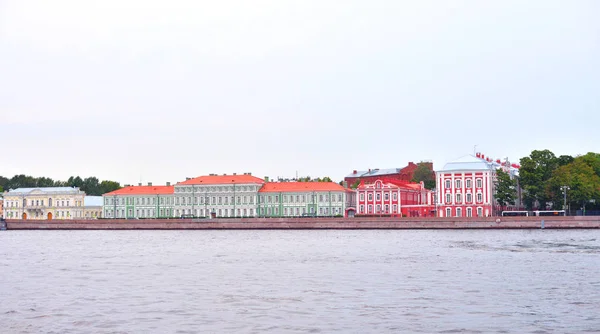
(92, 212)
(222, 200)
(138, 206)
(44, 205)
(465, 193)
(294, 204)
(383, 197)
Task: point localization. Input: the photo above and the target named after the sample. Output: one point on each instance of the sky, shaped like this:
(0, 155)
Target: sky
(156, 91)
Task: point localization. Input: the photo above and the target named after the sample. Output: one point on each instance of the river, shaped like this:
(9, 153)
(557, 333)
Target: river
(319, 281)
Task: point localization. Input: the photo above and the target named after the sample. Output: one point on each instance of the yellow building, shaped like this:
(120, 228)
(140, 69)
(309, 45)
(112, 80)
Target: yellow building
(44, 203)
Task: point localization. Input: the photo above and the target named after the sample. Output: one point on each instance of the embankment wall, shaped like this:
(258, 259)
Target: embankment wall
(310, 223)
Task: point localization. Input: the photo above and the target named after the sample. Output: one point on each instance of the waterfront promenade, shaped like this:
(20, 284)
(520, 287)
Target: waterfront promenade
(591, 222)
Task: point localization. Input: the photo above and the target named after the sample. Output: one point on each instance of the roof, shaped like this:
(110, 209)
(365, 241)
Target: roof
(300, 187)
(223, 179)
(467, 162)
(44, 189)
(142, 190)
(375, 172)
(92, 201)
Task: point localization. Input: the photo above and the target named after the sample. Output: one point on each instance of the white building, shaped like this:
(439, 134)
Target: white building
(44, 203)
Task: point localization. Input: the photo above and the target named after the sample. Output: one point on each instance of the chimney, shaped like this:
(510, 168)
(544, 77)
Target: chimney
(234, 173)
(249, 173)
(168, 183)
(369, 170)
(478, 155)
(188, 178)
(150, 183)
(355, 172)
(140, 184)
(266, 179)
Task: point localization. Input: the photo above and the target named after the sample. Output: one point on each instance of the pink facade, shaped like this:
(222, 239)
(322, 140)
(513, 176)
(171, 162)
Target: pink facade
(394, 198)
(464, 193)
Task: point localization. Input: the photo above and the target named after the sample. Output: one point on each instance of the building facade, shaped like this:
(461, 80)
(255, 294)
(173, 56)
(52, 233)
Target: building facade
(44, 203)
(139, 202)
(384, 197)
(296, 199)
(214, 195)
(465, 187)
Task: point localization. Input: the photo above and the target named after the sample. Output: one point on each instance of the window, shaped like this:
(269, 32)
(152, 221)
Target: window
(469, 198)
(479, 212)
(479, 198)
(378, 208)
(458, 184)
(370, 208)
(362, 208)
(362, 196)
(395, 208)
(448, 198)
(458, 212)
(386, 196)
(469, 212)
(468, 183)
(378, 196)
(458, 198)
(320, 198)
(479, 183)
(387, 208)
(447, 184)
(448, 212)
(395, 196)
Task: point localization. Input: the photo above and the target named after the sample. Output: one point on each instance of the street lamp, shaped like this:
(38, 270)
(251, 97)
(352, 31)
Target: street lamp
(564, 190)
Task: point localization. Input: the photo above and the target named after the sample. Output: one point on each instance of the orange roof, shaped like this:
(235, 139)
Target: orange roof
(224, 179)
(301, 187)
(142, 190)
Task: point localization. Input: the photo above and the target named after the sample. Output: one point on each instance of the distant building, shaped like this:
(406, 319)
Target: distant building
(218, 196)
(44, 203)
(405, 174)
(384, 197)
(92, 207)
(296, 199)
(465, 186)
(1, 207)
(139, 202)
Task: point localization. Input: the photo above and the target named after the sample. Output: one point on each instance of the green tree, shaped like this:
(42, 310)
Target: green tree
(424, 173)
(506, 189)
(582, 180)
(535, 171)
(1, 189)
(355, 184)
(326, 179)
(108, 186)
(91, 186)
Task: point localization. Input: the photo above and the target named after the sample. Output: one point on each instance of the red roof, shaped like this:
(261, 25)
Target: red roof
(301, 187)
(224, 179)
(142, 190)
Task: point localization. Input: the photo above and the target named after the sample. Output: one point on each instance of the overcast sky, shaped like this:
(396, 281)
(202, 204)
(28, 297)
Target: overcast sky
(162, 90)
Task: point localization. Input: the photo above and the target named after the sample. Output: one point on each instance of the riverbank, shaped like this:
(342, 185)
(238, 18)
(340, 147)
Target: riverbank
(575, 222)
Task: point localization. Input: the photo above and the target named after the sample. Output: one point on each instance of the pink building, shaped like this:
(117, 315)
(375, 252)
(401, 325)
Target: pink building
(390, 197)
(465, 187)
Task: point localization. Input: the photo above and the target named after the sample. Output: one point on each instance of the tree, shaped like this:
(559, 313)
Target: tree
(535, 171)
(355, 184)
(1, 189)
(326, 179)
(108, 186)
(91, 186)
(582, 180)
(424, 173)
(506, 189)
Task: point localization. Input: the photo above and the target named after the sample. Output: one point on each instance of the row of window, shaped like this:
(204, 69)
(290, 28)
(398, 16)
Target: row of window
(468, 212)
(38, 202)
(190, 189)
(468, 185)
(312, 198)
(386, 196)
(151, 213)
(325, 211)
(379, 209)
(468, 198)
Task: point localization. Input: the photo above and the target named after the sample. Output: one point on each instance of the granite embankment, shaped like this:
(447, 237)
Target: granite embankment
(310, 223)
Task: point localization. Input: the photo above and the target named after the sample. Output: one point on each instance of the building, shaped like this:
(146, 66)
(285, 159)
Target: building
(44, 203)
(295, 199)
(465, 186)
(1, 207)
(139, 202)
(92, 207)
(405, 174)
(394, 198)
(218, 196)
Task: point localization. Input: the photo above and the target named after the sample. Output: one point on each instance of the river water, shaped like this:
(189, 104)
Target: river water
(408, 281)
